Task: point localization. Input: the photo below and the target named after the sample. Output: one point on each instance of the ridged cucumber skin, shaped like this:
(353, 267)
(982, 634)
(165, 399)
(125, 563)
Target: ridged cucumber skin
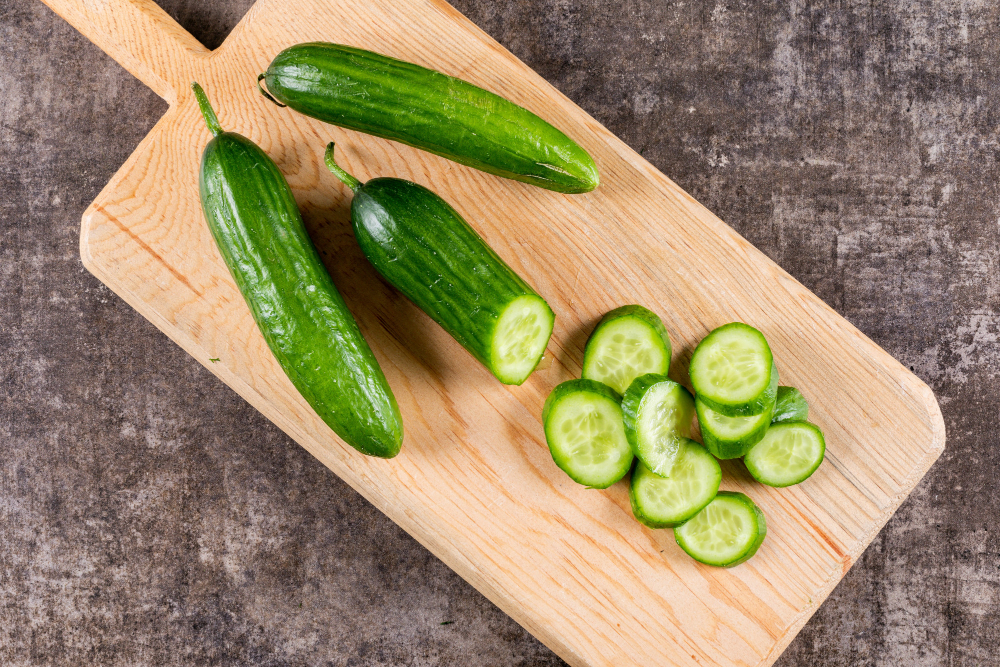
(790, 405)
(257, 227)
(754, 407)
(419, 107)
(426, 249)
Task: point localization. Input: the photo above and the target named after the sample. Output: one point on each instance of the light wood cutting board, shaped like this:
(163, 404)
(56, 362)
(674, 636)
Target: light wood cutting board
(475, 483)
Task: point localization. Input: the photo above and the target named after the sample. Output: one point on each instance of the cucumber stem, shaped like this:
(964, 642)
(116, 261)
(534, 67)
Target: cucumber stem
(332, 165)
(206, 110)
(260, 77)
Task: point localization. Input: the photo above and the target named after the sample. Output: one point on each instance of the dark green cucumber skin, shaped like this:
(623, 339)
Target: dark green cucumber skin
(419, 107)
(259, 232)
(425, 249)
(790, 405)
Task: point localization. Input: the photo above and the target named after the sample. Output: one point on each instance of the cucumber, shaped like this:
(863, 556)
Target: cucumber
(419, 107)
(790, 405)
(732, 437)
(663, 502)
(256, 225)
(658, 414)
(628, 342)
(584, 431)
(788, 454)
(425, 249)
(727, 532)
(732, 371)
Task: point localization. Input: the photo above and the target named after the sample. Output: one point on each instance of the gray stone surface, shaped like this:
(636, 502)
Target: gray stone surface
(149, 517)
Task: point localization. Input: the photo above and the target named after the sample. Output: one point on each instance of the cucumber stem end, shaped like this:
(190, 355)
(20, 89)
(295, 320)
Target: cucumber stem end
(206, 110)
(331, 164)
(260, 77)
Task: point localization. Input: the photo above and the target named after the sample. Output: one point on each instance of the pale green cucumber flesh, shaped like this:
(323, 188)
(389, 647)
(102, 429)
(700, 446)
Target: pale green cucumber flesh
(727, 532)
(628, 342)
(658, 417)
(585, 433)
(730, 437)
(520, 337)
(789, 453)
(662, 502)
(731, 371)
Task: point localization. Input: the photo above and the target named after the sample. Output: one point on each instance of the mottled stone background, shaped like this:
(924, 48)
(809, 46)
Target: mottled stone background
(148, 516)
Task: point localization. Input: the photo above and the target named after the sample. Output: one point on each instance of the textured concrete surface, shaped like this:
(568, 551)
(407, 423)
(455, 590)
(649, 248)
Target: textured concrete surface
(149, 517)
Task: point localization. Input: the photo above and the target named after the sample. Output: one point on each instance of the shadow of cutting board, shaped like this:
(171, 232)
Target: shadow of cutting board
(475, 483)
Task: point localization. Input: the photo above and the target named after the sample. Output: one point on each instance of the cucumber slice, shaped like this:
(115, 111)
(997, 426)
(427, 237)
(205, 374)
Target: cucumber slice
(628, 342)
(726, 533)
(731, 437)
(788, 454)
(732, 371)
(522, 332)
(585, 433)
(661, 502)
(790, 405)
(658, 415)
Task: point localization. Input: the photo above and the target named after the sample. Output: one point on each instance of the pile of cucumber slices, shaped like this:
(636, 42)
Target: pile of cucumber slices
(627, 415)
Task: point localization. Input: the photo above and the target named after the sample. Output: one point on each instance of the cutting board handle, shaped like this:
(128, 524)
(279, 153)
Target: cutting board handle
(141, 37)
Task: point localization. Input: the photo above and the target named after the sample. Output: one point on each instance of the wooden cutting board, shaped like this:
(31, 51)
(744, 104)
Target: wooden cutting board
(475, 483)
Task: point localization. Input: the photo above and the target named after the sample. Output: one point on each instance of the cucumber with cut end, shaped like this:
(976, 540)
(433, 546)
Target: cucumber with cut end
(727, 532)
(413, 105)
(256, 224)
(790, 405)
(658, 417)
(426, 250)
(788, 454)
(732, 371)
(585, 434)
(731, 437)
(628, 342)
(662, 502)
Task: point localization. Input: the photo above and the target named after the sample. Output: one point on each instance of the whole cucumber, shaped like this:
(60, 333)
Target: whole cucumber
(259, 232)
(419, 107)
(425, 249)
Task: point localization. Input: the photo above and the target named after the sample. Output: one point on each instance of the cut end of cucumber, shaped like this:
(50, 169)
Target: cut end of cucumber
(629, 342)
(585, 434)
(789, 453)
(660, 502)
(731, 437)
(726, 533)
(731, 370)
(522, 332)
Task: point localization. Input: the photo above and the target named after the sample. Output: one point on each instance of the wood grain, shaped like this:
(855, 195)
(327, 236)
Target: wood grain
(475, 482)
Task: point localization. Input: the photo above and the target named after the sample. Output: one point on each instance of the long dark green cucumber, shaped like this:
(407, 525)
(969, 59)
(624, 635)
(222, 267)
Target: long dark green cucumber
(257, 227)
(424, 248)
(393, 99)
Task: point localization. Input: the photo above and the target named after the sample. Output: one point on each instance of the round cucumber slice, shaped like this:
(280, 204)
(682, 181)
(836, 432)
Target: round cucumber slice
(730, 437)
(788, 454)
(658, 416)
(628, 342)
(732, 371)
(520, 337)
(726, 533)
(790, 405)
(585, 433)
(662, 502)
